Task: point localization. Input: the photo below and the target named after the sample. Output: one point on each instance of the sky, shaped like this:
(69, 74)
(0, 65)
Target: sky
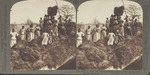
(87, 11)
(100, 10)
(33, 9)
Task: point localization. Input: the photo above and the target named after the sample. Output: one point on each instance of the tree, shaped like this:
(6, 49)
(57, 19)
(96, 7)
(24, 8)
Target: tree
(95, 21)
(134, 11)
(66, 11)
(28, 21)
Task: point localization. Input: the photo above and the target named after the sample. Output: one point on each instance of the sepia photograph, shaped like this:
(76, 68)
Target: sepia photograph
(42, 35)
(109, 35)
(53, 35)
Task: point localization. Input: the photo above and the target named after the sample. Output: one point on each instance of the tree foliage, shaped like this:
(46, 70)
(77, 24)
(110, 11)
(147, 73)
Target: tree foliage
(134, 11)
(28, 21)
(66, 11)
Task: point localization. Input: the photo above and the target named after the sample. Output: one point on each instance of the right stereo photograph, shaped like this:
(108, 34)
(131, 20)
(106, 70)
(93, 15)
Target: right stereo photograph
(109, 35)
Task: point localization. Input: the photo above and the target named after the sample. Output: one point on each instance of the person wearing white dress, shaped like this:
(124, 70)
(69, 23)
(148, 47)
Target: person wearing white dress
(22, 33)
(41, 22)
(111, 37)
(96, 35)
(13, 38)
(79, 38)
(31, 33)
(103, 32)
(37, 31)
(88, 33)
(45, 37)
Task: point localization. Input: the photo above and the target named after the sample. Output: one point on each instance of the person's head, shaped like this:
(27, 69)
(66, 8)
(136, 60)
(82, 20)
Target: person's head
(69, 20)
(22, 27)
(107, 18)
(135, 20)
(79, 30)
(41, 18)
(13, 30)
(89, 27)
(97, 25)
(112, 15)
(31, 25)
(103, 25)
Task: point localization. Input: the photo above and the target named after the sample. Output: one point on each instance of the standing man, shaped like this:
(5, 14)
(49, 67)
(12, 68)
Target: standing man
(79, 37)
(13, 37)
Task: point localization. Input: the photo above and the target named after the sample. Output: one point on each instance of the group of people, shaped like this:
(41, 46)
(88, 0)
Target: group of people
(114, 30)
(49, 29)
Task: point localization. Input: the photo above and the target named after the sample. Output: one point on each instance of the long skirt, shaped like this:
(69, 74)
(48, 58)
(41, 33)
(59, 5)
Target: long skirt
(110, 41)
(104, 34)
(88, 36)
(30, 37)
(45, 41)
(79, 42)
(38, 34)
(13, 42)
(50, 40)
(96, 37)
(22, 37)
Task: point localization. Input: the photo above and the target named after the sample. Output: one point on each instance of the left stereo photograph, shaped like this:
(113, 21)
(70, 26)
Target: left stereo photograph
(43, 35)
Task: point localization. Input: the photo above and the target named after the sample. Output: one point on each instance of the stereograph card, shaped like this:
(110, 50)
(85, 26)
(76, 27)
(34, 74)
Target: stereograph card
(102, 37)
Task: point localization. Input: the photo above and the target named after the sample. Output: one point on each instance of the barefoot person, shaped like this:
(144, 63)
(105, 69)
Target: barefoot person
(13, 38)
(79, 38)
(22, 33)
